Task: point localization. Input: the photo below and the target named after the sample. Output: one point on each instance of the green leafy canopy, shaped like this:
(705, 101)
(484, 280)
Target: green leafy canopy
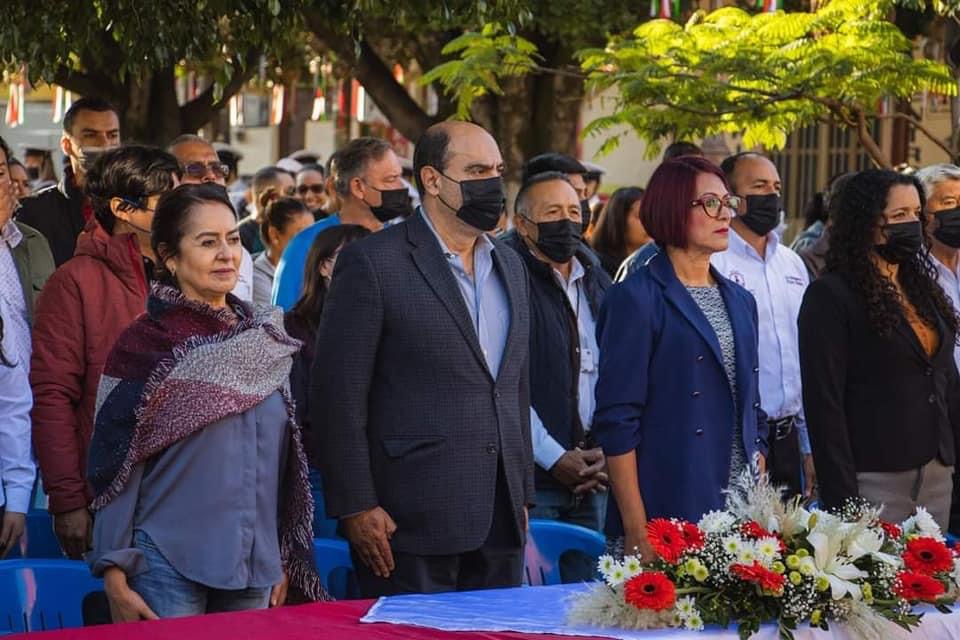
(761, 75)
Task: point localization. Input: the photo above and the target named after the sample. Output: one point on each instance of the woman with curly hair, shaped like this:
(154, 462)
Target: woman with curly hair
(876, 354)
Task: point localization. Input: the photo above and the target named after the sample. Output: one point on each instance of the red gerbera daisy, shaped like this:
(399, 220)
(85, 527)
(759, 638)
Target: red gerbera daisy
(916, 586)
(650, 590)
(760, 575)
(927, 556)
(893, 531)
(693, 537)
(666, 538)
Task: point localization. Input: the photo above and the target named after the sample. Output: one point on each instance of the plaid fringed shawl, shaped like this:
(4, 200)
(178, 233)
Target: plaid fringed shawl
(183, 366)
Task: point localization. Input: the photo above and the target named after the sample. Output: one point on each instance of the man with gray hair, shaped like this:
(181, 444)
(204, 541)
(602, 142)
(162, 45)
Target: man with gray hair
(368, 183)
(941, 183)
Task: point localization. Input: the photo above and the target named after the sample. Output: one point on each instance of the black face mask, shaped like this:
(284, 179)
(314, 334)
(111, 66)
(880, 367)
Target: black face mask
(483, 202)
(33, 173)
(948, 227)
(394, 203)
(559, 239)
(585, 215)
(903, 242)
(763, 213)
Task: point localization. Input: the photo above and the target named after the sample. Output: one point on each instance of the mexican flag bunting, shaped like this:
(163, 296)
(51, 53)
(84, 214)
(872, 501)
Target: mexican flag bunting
(769, 5)
(14, 116)
(664, 8)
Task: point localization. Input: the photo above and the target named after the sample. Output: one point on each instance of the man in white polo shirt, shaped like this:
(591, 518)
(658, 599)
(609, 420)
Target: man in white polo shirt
(777, 278)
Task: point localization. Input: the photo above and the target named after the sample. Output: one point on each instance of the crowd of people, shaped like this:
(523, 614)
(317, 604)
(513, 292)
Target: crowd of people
(387, 348)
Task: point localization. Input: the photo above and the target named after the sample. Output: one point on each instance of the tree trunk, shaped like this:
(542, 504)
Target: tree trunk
(535, 114)
(148, 107)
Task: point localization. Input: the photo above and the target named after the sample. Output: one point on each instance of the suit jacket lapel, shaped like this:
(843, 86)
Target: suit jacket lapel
(514, 296)
(680, 298)
(429, 258)
(908, 334)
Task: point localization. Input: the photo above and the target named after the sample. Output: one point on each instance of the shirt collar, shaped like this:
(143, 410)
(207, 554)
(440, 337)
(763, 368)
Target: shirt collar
(11, 234)
(945, 270)
(576, 273)
(739, 245)
(483, 245)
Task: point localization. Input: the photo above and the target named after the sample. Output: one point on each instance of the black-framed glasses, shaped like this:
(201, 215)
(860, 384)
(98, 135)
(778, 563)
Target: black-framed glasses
(315, 189)
(712, 204)
(200, 169)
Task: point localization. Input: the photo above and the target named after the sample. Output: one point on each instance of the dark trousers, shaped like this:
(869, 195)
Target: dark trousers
(784, 462)
(497, 563)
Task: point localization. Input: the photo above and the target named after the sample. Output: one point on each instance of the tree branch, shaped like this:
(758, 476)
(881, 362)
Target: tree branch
(921, 128)
(85, 84)
(197, 112)
(391, 97)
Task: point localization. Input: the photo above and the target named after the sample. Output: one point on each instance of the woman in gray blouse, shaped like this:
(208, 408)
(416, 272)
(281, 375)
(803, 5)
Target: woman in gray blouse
(202, 498)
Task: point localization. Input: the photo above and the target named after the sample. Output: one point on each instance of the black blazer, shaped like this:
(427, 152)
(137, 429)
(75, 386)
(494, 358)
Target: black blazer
(872, 403)
(404, 409)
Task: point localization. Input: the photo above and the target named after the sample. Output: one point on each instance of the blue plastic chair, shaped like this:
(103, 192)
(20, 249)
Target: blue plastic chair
(548, 540)
(332, 557)
(37, 595)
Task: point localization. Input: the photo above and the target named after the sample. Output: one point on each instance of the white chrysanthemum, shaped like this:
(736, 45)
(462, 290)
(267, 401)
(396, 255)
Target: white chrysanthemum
(617, 575)
(768, 549)
(632, 567)
(956, 572)
(748, 553)
(605, 565)
(686, 607)
(733, 544)
(923, 523)
(717, 522)
(694, 622)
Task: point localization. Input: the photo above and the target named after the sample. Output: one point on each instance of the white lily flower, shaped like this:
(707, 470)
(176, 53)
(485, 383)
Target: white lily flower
(868, 543)
(837, 569)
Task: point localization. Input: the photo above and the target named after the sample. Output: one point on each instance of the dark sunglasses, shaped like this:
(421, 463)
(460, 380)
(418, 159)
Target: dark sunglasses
(312, 188)
(200, 169)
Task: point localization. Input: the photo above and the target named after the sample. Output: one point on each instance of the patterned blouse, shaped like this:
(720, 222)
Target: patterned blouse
(711, 304)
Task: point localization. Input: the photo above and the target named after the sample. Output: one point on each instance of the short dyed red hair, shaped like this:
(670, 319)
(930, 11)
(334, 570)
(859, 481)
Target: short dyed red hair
(665, 208)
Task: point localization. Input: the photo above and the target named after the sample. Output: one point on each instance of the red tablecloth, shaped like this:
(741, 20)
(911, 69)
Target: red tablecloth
(322, 621)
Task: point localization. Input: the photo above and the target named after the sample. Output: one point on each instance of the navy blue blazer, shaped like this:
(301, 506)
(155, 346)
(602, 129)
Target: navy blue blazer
(663, 390)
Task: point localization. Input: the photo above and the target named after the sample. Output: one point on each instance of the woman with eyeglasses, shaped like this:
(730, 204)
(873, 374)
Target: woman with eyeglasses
(82, 309)
(678, 404)
(877, 335)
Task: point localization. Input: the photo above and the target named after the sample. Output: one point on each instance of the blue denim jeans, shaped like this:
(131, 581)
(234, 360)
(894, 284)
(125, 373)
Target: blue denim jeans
(170, 595)
(590, 512)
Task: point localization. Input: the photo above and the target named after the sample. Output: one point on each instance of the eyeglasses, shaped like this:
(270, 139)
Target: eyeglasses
(712, 204)
(316, 189)
(200, 169)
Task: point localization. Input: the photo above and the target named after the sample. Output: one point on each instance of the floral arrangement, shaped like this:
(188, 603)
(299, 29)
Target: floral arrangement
(765, 561)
